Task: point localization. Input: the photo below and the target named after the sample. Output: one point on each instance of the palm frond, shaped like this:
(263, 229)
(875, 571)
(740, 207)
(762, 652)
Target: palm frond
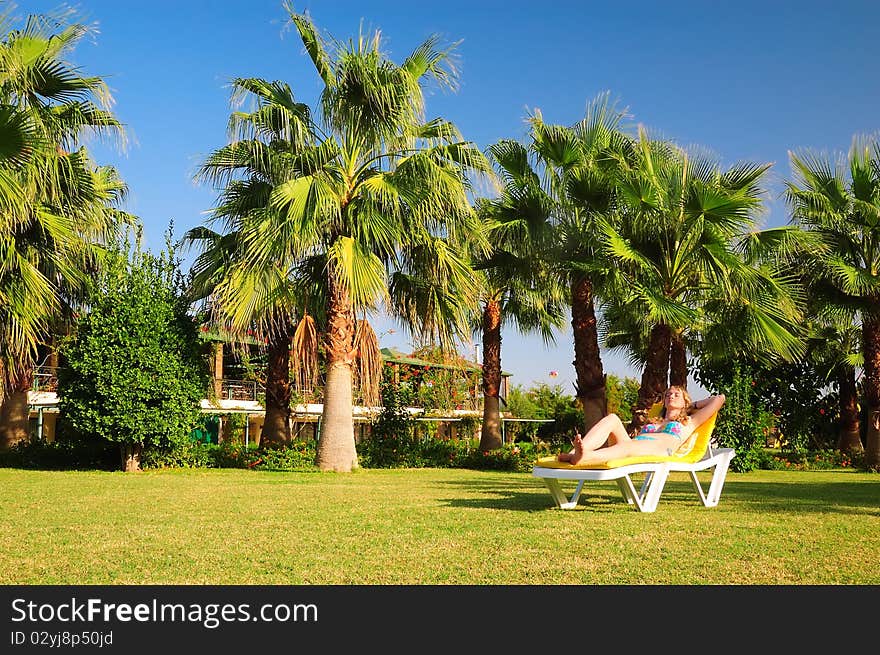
(304, 353)
(368, 364)
(360, 271)
(428, 59)
(313, 43)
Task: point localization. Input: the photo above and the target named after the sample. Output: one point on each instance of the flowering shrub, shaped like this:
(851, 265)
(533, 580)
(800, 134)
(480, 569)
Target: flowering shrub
(817, 460)
(803, 411)
(391, 442)
(432, 387)
(407, 451)
(744, 422)
(510, 457)
(295, 456)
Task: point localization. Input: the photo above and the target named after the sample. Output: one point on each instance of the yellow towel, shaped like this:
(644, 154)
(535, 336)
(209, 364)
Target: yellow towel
(692, 450)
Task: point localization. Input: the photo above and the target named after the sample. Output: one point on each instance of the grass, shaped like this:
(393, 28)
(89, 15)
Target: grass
(430, 526)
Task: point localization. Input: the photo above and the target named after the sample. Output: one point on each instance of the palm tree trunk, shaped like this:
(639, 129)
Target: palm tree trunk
(53, 353)
(217, 367)
(276, 427)
(490, 436)
(678, 371)
(131, 456)
(587, 359)
(336, 448)
(15, 411)
(871, 351)
(654, 376)
(848, 439)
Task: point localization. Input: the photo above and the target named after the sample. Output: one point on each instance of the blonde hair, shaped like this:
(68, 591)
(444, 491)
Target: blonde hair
(683, 415)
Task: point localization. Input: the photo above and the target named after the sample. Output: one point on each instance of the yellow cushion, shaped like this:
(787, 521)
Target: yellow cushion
(692, 450)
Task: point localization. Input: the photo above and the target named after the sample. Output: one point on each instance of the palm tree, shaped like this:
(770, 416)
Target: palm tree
(834, 350)
(237, 299)
(579, 164)
(839, 202)
(516, 282)
(265, 152)
(831, 329)
(382, 190)
(58, 206)
(679, 249)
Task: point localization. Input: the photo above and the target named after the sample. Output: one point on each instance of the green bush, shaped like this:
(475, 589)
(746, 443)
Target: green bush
(743, 422)
(190, 454)
(135, 368)
(803, 410)
(391, 442)
(448, 453)
(514, 457)
(814, 460)
(61, 455)
(295, 456)
(298, 456)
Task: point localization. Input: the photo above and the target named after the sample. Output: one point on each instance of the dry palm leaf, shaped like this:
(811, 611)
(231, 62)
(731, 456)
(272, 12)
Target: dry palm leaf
(304, 354)
(368, 367)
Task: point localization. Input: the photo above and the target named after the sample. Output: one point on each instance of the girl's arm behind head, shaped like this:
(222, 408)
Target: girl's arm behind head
(704, 408)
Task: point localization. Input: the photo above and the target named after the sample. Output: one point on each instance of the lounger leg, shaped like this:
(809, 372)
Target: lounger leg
(711, 498)
(718, 481)
(628, 491)
(645, 483)
(573, 501)
(655, 489)
(647, 497)
(563, 501)
(556, 491)
(699, 487)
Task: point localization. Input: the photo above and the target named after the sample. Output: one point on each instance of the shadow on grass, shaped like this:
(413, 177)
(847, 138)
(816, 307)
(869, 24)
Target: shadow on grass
(793, 497)
(796, 497)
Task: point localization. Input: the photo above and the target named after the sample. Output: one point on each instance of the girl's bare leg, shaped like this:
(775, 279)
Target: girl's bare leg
(622, 449)
(609, 428)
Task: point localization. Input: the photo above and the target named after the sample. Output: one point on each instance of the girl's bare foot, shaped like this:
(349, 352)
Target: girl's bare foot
(573, 453)
(565, 457)
(579, 452)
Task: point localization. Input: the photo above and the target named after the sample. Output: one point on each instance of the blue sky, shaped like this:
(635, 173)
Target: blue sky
(746, 80)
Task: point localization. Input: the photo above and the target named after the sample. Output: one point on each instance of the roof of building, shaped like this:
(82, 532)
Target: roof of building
(212, 333)
(397, 357)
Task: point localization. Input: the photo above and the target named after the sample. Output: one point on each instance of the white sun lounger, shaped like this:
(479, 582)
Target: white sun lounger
(695, 455)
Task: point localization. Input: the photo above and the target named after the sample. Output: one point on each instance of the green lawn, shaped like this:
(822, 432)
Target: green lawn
(430, 526)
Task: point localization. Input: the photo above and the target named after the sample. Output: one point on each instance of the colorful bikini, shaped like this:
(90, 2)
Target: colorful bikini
(672, 428)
